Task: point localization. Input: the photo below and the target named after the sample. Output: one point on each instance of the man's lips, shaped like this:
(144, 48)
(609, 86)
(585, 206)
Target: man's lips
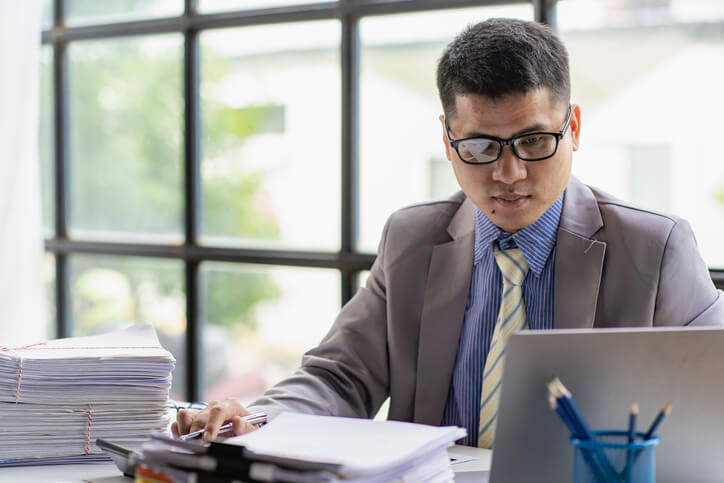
(510, 199)
(510, 196)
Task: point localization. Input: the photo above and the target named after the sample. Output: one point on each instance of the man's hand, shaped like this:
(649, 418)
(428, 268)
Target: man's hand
(211, 418)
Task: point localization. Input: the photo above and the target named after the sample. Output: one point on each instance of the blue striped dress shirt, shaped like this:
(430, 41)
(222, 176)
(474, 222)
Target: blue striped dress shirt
(537, 242)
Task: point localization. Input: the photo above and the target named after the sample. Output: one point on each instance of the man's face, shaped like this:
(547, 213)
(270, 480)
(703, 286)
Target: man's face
(511, 192)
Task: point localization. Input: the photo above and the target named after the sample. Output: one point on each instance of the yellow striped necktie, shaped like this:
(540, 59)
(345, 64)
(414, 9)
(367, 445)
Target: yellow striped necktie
(511, 317)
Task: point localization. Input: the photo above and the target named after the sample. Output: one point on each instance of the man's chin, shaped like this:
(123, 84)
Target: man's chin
(510, 222)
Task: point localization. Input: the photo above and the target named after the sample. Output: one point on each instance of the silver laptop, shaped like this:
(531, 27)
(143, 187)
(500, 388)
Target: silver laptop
(607, 370)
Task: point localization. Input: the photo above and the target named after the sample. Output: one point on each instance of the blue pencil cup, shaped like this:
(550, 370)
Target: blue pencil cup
(611, 458)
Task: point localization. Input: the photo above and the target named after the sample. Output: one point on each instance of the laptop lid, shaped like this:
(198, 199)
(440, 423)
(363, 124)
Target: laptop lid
(606, 370)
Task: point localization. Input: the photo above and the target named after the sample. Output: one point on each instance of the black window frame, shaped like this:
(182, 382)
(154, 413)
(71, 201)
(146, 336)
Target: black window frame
(349, 260)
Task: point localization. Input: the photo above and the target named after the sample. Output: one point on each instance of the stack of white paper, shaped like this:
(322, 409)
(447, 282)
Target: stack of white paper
(57, 397)
(357, 450)
(304, 448)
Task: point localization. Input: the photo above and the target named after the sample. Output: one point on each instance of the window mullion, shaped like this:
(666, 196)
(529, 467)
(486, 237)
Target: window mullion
(192, 208)
(350, 50)
(62, 173)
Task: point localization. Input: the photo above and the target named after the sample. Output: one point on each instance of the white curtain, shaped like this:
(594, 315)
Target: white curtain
(22, 302)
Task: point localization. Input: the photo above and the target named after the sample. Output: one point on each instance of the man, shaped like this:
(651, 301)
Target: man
(523, 246)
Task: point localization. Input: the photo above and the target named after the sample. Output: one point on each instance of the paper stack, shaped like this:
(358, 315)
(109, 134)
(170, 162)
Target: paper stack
(299, 448)
(57, 397)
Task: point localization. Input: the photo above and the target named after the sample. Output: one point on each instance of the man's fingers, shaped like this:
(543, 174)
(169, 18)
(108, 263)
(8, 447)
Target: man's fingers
(184, 419)
(210, 419)
(217, 415)
(241, 426)
(174, 429)
(199, 423)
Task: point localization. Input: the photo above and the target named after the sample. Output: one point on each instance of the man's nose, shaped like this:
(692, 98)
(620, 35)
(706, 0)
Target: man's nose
(509, 168)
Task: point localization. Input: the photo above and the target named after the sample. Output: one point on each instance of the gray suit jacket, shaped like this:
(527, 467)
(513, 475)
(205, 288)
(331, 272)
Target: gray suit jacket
(615, 266)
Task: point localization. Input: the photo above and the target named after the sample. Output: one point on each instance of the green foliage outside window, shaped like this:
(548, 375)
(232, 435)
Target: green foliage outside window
(126, 176)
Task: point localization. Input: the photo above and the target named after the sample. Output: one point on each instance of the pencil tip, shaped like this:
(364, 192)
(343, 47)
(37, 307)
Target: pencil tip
(553, 387)
(635, 408)
(564, 390)
(667, 408)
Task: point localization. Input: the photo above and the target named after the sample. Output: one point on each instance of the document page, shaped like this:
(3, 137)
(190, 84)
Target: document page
(358, 445)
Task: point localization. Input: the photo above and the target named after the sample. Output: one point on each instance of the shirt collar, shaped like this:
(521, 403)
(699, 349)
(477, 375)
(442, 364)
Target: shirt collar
(536, 241)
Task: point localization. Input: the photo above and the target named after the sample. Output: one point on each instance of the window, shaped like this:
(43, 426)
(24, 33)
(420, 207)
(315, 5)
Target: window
(224, 171)
(89, 12)
(270, 106)
(258, 320)
(647, 75)
(110, 291)
(400, 134)
(125, 105)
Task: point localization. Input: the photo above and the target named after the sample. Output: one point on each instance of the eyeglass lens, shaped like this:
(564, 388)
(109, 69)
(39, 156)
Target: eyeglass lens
(532, 147)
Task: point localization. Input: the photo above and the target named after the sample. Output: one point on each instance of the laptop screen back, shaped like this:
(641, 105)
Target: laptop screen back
(606, 370)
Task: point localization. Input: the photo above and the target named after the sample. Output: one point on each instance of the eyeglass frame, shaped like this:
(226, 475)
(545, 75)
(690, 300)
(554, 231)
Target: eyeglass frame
(505, 142)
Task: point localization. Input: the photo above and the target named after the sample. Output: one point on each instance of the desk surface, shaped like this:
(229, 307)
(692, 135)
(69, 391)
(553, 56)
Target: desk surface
(472, 470)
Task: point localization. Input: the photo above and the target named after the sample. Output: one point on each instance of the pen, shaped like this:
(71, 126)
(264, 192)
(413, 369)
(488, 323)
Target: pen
(254, 418)
(660, 417)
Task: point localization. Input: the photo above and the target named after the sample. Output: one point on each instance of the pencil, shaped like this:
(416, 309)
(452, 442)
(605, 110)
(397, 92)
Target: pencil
(562, 414)
(631, 436)
(632, 422)
(600, 464)
(660, 417)
(553, 392)
(565, 398)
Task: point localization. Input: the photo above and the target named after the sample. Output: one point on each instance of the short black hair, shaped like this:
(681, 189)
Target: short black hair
(501, 56)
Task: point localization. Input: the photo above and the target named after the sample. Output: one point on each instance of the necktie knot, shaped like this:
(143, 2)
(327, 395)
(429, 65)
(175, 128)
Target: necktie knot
(512, 265)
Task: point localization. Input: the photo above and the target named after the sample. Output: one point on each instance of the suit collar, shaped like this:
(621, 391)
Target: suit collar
(580, 215)
(462, 222)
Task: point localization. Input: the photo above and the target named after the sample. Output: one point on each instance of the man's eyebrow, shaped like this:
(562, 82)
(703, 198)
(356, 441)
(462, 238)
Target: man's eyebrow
(537, 127)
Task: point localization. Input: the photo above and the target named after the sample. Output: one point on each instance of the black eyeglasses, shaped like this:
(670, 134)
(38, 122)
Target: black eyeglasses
(534, 146)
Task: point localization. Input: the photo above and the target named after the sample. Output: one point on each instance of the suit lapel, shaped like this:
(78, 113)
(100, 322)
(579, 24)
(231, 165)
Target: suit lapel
(446, 293)
(579, 259)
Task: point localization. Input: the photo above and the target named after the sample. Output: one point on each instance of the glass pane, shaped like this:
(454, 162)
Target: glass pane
(259, 322)
(46, 139)
(225, 5)
(110, 292)
(126, 129)
(647, 75)
(270, 99)
(84, 12)
(402, 158)
(46, 15)
(50, 300)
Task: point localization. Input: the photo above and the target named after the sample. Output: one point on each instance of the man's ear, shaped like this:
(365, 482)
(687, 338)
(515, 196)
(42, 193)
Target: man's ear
(444, 138)
(575, 127)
